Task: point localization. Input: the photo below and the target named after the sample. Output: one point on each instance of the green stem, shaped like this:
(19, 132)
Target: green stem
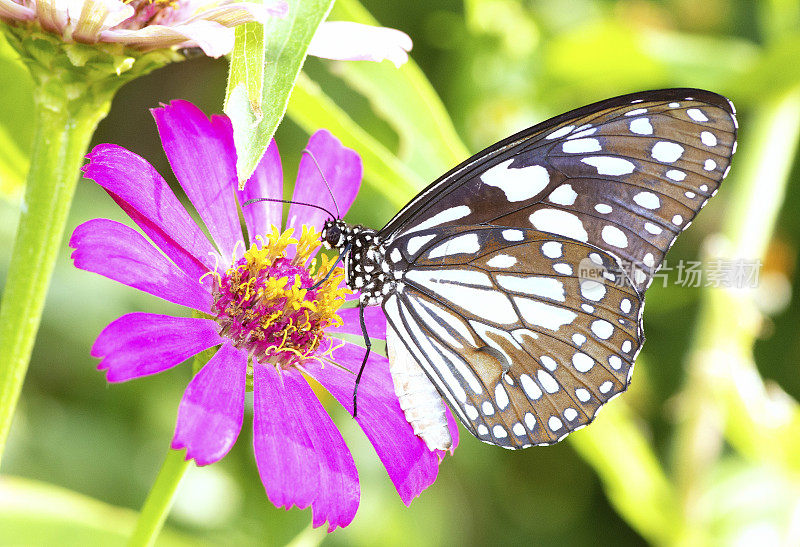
(159, 500)
(713, 403)
(63, 132)
(73, 85)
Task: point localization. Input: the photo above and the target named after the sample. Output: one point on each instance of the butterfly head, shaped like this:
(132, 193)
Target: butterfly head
(334, 233)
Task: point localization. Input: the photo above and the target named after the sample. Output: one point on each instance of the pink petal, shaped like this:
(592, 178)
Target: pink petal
(411, 466)
(301, 456)
(120, 253)
(52, 15)
(237, 13)
(266, 182)
(348, 41)
(213, 38)
(11, 10)
(373, 317)
(211, 410)
(144, 195)
(203, 159)
(91, 17)
(342, 169)
(139, 344)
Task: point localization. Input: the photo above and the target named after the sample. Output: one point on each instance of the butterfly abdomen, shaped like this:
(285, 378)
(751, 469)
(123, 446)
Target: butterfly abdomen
(421, 403)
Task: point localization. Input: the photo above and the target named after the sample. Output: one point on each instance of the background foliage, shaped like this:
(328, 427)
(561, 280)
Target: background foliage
(705, 446)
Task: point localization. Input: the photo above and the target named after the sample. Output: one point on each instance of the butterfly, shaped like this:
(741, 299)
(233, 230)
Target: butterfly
(513, 286)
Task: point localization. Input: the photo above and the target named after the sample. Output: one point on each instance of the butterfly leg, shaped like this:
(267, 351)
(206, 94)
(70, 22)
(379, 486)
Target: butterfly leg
(368, 345)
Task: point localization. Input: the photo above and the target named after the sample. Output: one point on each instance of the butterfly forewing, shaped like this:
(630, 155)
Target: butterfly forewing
(626, 175)
(526, 334)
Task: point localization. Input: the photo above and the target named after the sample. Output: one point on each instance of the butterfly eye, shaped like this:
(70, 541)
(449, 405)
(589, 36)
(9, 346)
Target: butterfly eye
(331, 234)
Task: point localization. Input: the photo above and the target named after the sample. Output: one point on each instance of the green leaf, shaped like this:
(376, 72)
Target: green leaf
(312, 109)
(265, 64)
(405, 98)
(36, 513)
(16, 129)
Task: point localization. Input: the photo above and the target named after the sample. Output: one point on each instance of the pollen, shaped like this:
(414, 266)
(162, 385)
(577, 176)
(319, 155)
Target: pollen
(265, 303)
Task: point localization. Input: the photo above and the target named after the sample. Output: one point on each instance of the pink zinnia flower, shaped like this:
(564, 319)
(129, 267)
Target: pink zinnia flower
(269, 328)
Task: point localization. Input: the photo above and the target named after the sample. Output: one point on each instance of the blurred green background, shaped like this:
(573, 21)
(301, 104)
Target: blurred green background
(703, 449)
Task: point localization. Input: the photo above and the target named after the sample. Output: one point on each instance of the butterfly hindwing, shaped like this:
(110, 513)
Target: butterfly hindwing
(526, 334)
(626, 175)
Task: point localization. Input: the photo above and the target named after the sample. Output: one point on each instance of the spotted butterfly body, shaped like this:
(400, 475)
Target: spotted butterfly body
(515, 282)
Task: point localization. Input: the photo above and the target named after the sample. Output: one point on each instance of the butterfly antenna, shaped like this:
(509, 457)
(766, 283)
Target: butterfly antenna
(328, 186)
(275, 200)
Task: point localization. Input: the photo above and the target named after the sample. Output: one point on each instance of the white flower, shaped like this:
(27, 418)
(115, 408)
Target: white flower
(144, 24)
(158, 24)
(346, 41)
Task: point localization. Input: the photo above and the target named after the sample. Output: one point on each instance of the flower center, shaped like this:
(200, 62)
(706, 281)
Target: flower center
(263, 302)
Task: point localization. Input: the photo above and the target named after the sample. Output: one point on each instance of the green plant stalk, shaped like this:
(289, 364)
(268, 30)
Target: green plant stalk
(73, 87)
(64, 128)
(724, 394)
(159, 500)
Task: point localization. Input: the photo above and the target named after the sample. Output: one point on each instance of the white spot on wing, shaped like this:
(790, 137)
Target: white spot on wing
(448, 215)
(648, 200)
(513, 235)
(667, 152)
(518, 184)
(552, 249)
(463, 244)
(544, 315)
(581, 146)
(602, 329)
(416, 243)
(641, 126)
(548, 362)
(501, 397)
(582, 394)
(592, 290)
(652, 228)
(554, 423)
(450, 284)
(564, 269)
(602, 208)
(582, 362)
(676, 175)
(697, 115)
(710, 165)
(563, 195)
(548, 382)
(559, 222)
(499, 432)
(560, 132)
(546, 287)
(614, 236)
(609, 165)
(708, 138)
(530, 388)
(501, 261)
